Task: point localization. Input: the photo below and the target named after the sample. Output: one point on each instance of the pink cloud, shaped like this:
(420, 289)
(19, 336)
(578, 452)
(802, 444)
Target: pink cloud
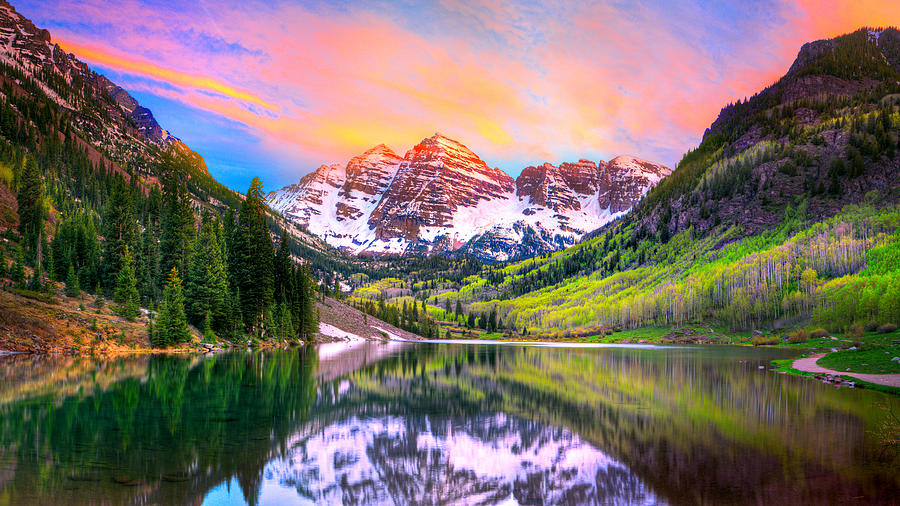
(513, 82)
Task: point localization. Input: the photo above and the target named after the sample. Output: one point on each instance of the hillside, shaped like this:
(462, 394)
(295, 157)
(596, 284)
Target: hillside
(441, 198)
(115, 236)
(785, 215)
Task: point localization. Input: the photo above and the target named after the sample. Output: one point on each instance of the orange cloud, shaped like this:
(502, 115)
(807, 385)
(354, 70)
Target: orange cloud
(830, 18)
(144, 68)
(515, 82)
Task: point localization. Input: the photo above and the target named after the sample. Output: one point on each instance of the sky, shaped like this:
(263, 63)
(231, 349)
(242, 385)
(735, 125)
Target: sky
(275, 89)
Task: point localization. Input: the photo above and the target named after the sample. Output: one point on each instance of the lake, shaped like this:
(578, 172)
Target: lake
(397, 423)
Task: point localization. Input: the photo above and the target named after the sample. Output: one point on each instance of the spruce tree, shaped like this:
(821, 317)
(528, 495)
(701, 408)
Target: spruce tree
(120, 232)
(177, 218)
(196, 297)
(36, 279)
(171, 325)
(126, 288)
(72, 288)
(217, 279)
(308, 321)
(148, 273)
(30, 200)
(254, 259)
(208, 335)
(17, 273)
(286, 324)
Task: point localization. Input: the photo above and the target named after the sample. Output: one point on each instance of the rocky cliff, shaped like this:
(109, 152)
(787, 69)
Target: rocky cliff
(440, 197)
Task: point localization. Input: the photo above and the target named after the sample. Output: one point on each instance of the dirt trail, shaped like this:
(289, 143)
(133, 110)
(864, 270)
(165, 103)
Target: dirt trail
(809, 364)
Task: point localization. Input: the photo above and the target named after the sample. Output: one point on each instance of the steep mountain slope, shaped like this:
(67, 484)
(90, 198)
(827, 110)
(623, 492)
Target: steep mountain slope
(442, 198)
(822, 133)
(105, 120)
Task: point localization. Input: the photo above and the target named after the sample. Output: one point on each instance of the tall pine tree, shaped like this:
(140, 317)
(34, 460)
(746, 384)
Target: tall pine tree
(254, 259)
(30, 200)
(120, 231)
(171, 325)
(177, 218)
(126, 288)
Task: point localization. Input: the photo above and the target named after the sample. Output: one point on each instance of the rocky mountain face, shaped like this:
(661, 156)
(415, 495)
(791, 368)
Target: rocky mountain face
(105, 115)
(440, 197)
(820, 138)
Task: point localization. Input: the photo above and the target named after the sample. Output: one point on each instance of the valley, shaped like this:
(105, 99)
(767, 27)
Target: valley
(554, 319)
(784, 219)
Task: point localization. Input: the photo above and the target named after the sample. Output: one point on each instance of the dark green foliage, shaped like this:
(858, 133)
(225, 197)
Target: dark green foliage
(253, 268)
(76, 245)
(120, 231)
(853, 56)
(72, 287)
(126, 288)
(206, 283)
(171, 324)
(177, 221)
(406, 316)
(30, 200)
(17, 272)
(148, 266)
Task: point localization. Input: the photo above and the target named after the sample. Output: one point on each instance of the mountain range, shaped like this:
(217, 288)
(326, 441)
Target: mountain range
(441, 198)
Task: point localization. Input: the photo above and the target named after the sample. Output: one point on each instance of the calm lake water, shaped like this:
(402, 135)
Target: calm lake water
(438, 423)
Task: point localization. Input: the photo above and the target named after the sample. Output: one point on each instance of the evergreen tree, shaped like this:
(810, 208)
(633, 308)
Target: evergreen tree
(254, 259)
(36, 279)
(196, 292)
(126, 288)
(17, 273)
(30, 200)
(72, 287)
(306, 319)
(49, 262)
(217, 279)
(177, 219)
(208, 335)
(171, 325)
(148, 271)
(120, 231)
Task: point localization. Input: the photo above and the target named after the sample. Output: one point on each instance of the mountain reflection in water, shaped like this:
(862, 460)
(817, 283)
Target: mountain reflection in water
(438, 423)
(486, 459)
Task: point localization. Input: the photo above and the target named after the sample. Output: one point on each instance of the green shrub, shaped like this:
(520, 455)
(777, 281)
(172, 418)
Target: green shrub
(887, 328)
(856, 331)
(36, 295)
(765, 340)
(798, 337)
(818, 333)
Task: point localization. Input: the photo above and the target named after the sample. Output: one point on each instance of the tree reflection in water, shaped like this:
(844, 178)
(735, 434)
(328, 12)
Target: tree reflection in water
(437, 424)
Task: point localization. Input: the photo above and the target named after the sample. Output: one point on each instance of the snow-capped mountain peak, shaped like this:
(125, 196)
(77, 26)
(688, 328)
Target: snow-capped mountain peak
(440, 197)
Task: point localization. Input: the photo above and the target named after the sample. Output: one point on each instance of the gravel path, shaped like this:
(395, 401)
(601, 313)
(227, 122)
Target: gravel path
(809, 364)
